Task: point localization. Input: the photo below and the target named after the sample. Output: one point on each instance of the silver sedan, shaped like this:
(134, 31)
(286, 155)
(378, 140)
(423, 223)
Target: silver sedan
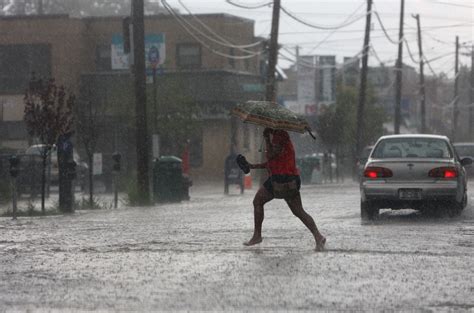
(413, 171)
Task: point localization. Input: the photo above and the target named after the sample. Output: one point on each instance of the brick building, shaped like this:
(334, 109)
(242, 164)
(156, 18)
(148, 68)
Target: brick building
(79, 54)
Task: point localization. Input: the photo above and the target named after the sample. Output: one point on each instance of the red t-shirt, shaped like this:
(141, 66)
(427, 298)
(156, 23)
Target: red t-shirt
(284, 163)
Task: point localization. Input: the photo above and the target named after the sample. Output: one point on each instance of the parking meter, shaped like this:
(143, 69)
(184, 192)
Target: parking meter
(117, 158)
(14, 166)
(14, 171)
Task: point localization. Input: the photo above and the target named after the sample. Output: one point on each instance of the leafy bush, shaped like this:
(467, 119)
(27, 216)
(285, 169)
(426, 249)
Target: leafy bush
(84, 204)
(133, 195)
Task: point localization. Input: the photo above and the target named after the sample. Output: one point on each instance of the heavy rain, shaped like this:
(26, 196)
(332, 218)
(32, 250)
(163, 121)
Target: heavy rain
(165, 155)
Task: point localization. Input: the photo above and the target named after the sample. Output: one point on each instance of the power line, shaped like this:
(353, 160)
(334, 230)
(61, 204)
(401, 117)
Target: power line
(224, 42)
(395, 42)
(455, 4)
(171, 11)
(429, 65)
(342, 25)
(334, 31)
(257, 6)
(410, 53)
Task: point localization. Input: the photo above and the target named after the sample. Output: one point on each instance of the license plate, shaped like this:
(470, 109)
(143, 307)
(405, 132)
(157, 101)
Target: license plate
(409, 194)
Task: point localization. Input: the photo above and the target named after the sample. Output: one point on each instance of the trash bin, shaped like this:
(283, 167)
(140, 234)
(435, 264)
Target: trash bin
(308, 165)
(169, 183)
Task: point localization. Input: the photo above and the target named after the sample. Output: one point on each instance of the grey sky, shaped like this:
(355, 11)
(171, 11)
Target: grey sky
(441, 21)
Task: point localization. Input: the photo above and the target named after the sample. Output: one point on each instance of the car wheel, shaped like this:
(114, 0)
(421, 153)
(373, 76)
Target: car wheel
(368, 211)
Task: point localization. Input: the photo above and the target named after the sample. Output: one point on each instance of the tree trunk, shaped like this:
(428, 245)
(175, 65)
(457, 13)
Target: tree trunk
(90, 160)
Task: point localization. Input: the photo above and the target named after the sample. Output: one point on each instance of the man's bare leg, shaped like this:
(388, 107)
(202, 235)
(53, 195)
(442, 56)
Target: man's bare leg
(297, 208)
(262, 197)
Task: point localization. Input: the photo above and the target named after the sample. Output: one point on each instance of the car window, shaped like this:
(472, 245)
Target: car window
(412, 148)
(465, 150)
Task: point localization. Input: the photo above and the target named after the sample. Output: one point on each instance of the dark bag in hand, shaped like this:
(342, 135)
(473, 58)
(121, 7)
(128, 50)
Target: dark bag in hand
(243, 164)
(287, 190)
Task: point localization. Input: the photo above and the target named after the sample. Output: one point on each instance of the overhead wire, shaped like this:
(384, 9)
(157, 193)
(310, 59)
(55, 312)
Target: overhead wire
(224, 42)
(334, 31)
(171, 11)
(257, 6)
(395, 42)
(342, 25)
(410, 53)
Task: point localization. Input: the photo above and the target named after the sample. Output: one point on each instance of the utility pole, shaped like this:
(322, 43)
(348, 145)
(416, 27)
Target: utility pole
(297, 51)
(422, 77)
(363, 84)
(399, 69)
(471, 98)
(456, 92)
(40, 7)
(270, 94)
(140, 100)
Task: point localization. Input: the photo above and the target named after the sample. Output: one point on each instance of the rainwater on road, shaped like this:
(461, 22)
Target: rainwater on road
(190, 256)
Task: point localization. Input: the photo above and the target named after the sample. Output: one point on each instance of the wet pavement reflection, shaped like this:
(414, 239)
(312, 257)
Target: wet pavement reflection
(190, 256)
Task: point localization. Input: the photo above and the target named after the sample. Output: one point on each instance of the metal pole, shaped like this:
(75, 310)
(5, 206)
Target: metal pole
(456, 92)
(155, 96)
(115, 190)
(270, 94)
(399, 68)
(140, 101)
(14, 197)
(363, 85)
(471, 97)
(422, 77)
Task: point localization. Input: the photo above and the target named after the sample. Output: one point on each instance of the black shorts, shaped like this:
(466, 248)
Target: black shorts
(281, 179)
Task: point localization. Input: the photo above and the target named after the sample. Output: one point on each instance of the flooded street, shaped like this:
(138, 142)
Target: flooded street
(190, 256)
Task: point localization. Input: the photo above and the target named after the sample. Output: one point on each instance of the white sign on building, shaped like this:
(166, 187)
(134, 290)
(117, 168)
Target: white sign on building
(155, 51)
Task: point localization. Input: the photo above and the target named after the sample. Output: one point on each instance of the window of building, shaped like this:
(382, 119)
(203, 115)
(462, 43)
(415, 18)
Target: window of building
(247, 64)
(188, 55)
(18, 62)
(103, 61)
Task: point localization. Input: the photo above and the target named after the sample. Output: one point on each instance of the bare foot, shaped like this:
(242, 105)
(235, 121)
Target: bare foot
(320, 244)
(253, 241)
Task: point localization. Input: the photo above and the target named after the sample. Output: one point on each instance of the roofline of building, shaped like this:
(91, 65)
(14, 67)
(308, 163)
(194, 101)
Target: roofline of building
(34, 16)
(120, 17)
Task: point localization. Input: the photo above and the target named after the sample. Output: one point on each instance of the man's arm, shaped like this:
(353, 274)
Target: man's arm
(258, 166)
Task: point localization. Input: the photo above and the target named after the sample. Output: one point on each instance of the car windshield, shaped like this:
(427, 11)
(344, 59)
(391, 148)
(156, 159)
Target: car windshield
(465, 150)
(412, 148)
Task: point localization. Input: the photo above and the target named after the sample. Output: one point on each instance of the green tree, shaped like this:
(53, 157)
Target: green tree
(47, 115)
(336, 125)
(177, 115)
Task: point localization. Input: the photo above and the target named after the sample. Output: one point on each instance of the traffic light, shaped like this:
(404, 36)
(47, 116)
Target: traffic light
(14, 166)
(71, 170)
(117, 158)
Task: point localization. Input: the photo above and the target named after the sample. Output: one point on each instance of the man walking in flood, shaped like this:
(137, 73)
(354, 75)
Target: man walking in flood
(283, 182)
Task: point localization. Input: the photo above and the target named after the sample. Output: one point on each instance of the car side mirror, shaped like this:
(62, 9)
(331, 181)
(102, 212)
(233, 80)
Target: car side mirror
(466, 161)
